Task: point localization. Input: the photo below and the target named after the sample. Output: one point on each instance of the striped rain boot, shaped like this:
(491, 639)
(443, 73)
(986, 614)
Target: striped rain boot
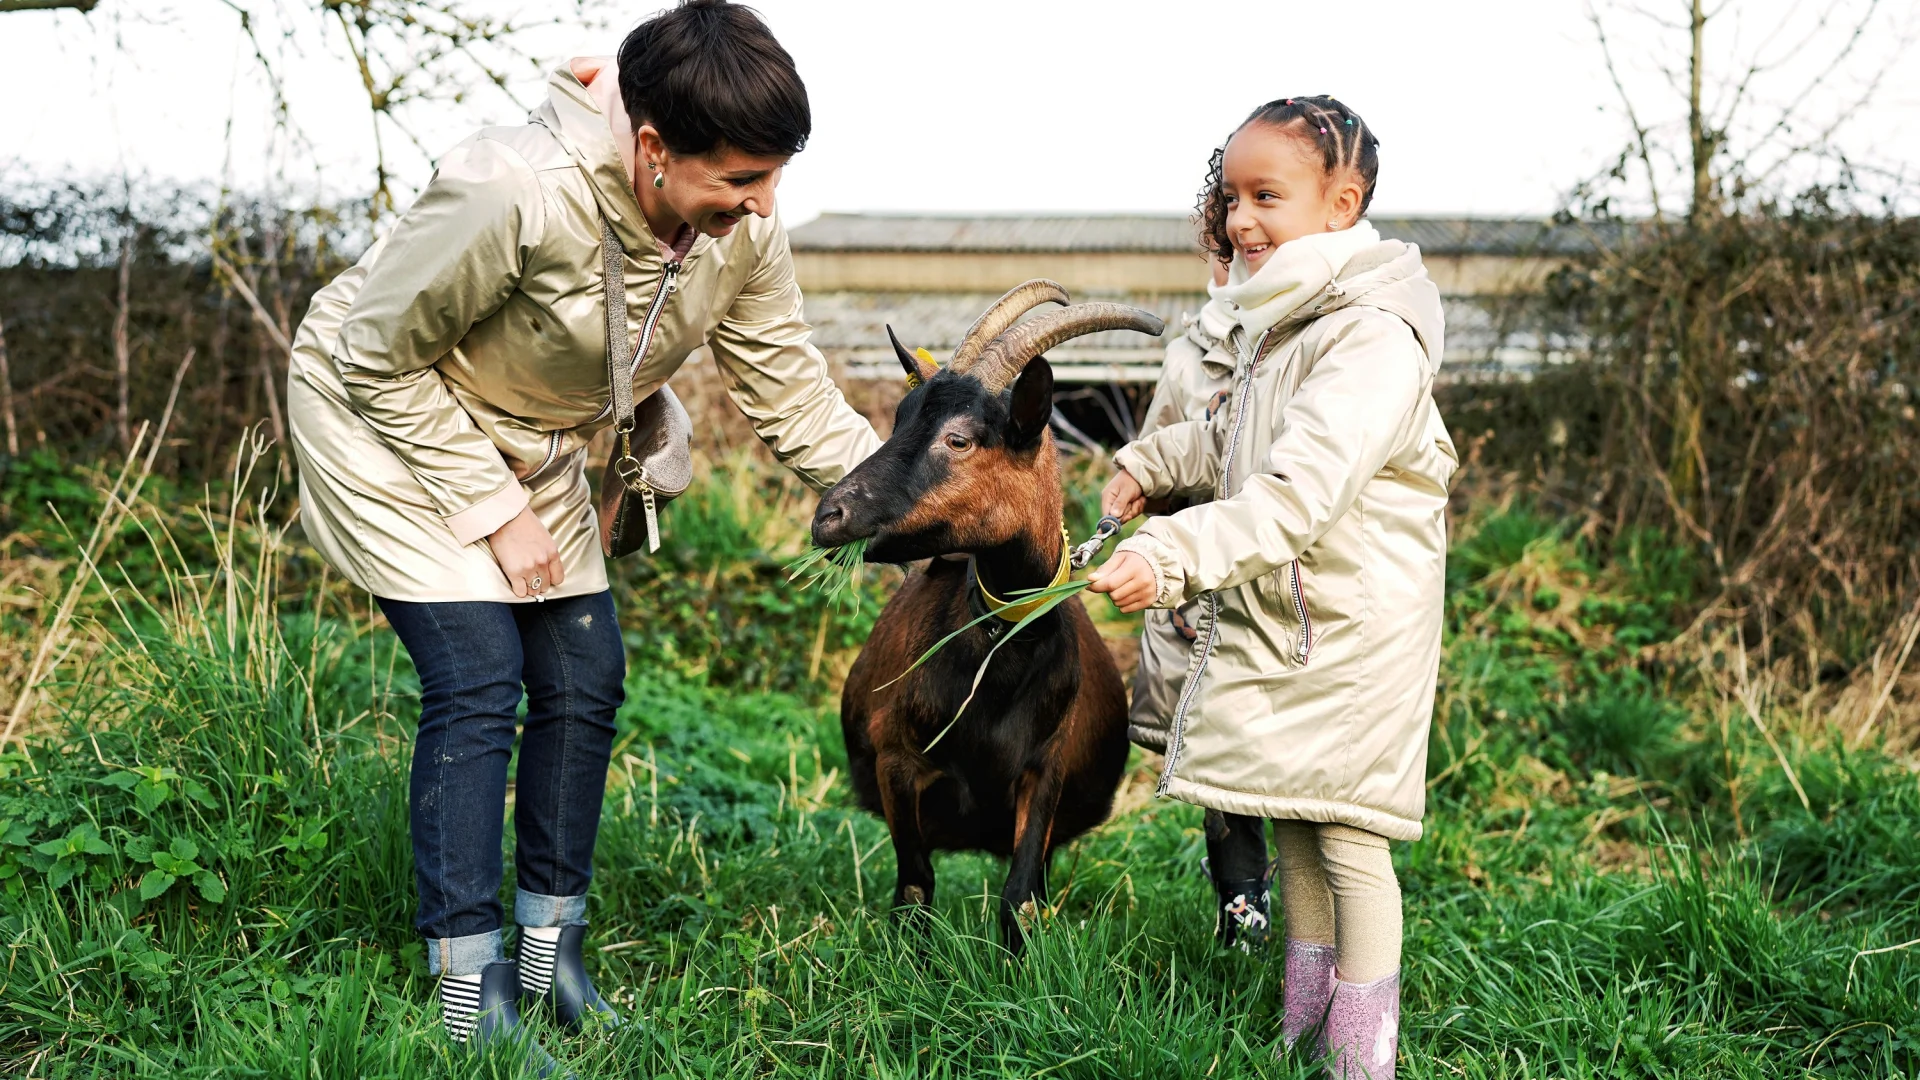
(554, 972)
(481, 1013)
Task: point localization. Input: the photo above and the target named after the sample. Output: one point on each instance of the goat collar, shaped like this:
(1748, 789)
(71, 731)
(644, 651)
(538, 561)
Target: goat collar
(1015, 610)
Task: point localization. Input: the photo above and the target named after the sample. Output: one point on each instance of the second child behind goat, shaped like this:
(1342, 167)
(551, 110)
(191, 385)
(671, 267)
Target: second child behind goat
(1320, 564)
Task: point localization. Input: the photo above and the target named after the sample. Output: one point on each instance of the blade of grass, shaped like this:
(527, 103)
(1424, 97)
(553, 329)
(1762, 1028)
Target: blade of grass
(833, 572)
(1067, 589)
(1054, 597)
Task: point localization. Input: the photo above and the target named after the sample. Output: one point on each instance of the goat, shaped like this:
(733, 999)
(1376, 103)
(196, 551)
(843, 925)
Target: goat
(971, 468)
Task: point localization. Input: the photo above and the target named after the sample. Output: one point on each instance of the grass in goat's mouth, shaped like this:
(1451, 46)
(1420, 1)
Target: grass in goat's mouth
(835, 573)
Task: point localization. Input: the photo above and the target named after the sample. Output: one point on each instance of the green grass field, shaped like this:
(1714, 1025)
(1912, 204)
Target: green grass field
(204, 868)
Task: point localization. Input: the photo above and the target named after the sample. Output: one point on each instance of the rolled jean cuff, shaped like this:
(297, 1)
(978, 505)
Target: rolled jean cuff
(533, 909)
(468, 955)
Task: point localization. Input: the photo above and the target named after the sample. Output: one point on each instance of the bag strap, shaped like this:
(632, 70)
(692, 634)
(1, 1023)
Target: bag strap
(619, 348)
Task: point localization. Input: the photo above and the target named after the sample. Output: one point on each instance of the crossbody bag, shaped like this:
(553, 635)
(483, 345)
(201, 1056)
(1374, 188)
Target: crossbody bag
(652, 459)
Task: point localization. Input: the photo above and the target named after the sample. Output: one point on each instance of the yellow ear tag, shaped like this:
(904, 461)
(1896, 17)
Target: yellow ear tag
(921, 352)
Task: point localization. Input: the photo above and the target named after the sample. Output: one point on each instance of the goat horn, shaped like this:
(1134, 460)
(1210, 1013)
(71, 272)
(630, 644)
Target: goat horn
(1005, 312)
(918, 370)
(1007, 355)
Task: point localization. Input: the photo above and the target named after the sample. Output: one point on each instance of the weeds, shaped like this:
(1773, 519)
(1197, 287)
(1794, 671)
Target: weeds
(205, 872)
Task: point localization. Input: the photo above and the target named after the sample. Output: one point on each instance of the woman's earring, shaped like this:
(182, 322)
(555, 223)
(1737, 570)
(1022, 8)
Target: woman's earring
(660, 180)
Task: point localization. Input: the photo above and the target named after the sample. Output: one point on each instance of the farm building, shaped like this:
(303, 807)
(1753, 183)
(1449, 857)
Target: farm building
(930, 276)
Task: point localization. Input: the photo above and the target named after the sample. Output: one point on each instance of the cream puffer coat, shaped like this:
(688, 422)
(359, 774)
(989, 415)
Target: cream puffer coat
(1320, 565)
(1194, 377)
(456, 373)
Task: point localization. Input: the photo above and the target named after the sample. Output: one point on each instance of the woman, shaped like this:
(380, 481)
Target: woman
(443, 392)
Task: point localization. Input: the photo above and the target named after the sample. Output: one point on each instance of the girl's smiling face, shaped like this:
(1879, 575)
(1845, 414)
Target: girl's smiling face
(1277, 189)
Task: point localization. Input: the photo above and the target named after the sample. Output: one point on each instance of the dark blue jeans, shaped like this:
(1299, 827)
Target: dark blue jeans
(474, 658)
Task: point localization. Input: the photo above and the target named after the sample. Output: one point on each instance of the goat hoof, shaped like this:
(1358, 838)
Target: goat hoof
(913, 894)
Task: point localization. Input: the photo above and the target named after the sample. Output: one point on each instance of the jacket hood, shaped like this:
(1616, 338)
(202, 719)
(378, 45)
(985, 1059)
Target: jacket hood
(1298, 271)
(1324, 272)
(577, 121)
(1391, 277)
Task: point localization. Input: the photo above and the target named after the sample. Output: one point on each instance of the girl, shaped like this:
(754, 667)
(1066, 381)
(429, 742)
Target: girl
(442, 396)
(1319, 565)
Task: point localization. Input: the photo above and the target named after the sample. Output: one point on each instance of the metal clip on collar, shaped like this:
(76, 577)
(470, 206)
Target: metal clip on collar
(1103, 532)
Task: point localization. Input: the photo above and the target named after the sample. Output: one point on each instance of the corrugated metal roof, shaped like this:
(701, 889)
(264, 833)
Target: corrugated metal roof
(851, 326)
(1158, 233)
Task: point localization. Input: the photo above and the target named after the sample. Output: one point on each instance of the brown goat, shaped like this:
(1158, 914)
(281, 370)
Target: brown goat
(971, 469)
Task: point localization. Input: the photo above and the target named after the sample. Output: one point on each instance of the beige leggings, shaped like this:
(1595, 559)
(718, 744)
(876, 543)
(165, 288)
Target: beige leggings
(1337, 888)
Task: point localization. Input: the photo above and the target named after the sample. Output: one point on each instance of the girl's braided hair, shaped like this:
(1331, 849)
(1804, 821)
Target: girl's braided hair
(1345, 142)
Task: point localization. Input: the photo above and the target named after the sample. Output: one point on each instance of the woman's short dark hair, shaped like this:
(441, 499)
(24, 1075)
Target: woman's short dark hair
(707, 72)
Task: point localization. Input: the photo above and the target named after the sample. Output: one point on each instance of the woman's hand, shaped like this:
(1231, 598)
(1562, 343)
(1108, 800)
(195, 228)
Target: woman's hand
(1127, 579)
(1123, 497)
(527, 554)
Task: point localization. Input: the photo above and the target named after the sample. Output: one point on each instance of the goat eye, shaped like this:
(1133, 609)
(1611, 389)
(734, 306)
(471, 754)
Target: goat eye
(959, 443)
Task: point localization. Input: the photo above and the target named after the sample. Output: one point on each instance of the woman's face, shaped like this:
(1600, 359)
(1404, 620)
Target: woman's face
(710, 191)
(1277, 190)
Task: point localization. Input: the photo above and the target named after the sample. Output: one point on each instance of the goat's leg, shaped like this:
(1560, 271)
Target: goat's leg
(1026, 889)
(900, 787)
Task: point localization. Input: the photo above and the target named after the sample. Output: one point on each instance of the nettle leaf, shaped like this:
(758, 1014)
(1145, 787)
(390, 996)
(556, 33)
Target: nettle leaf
(62, 873)
(55, 848)
(198, 792)
(155, 882)
(148, 795)
(121, 780)
(16, 833)
(167, 862)
(210, 886)
(139, 848)
(184, 848)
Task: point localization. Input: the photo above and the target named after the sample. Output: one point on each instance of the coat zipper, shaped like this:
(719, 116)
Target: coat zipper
(1305, 648)
(553, 451)
(1176, 737)
(670, 274)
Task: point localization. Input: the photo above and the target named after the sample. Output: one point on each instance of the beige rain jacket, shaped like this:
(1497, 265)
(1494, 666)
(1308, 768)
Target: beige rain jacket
(1194, 377)
(1320, 565)
(465, 355)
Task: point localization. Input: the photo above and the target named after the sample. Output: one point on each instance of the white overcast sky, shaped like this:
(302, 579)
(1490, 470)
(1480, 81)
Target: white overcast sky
(1484, 107)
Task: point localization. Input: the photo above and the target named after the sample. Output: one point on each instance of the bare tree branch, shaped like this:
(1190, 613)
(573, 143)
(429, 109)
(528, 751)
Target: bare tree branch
(1640, 136)
(81, 6)
(122, 348)
(6, 397)
(259, 310)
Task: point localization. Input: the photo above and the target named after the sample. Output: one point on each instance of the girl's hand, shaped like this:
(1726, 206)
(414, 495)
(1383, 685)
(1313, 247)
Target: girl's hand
(1127, 579)
(1123, 497)
(526, 552)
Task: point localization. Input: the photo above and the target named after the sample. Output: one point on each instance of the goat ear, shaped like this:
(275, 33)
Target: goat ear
(918, 370)
(1032, 406)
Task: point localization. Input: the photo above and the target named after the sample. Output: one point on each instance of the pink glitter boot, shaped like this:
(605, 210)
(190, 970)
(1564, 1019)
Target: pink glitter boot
(1363, 1029)
(1308, 988)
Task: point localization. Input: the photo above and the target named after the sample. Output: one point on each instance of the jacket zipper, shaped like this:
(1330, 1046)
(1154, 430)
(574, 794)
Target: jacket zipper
(1305, 648)
(1177, 736)
(669, 277)
(553, 450)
